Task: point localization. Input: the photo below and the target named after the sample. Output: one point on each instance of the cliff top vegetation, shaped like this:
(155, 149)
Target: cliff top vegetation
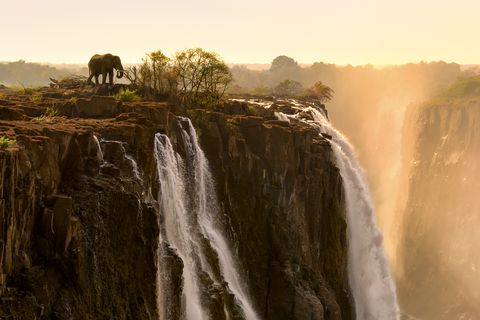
(463, 88)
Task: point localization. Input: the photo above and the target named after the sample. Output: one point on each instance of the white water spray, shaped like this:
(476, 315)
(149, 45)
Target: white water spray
(173, 205)
(211, 226)
(98, 148)
(282, 116)
(191, 218)
(372, 285)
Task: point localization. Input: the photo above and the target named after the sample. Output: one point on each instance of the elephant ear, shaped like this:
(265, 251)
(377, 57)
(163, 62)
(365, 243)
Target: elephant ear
(116, 60)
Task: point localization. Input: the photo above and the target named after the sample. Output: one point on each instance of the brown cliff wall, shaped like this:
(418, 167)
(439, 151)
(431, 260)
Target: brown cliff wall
(79, 237)
(283, 198)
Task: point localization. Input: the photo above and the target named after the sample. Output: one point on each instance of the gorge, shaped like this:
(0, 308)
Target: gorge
(118, 210)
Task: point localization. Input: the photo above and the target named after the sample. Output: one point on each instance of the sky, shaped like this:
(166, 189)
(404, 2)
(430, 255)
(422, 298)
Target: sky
(353, 32)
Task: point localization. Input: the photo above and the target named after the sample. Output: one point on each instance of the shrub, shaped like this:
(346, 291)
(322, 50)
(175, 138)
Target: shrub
(6, 142)
(127, 95)
(35, 97)
(29, 90)
(320, 91)
(49, 113)
(289, 88)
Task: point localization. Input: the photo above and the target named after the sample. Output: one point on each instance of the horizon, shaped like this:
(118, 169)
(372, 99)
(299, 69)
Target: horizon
(370, 32)
(254, 65)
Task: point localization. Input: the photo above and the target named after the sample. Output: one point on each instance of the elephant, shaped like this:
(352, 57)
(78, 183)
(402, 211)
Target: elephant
(101, 64)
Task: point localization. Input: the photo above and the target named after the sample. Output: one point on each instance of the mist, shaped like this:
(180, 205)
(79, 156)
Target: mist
(400, 139)
(428, 212)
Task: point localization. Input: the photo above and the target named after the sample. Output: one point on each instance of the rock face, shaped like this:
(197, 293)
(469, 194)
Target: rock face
(439, 234)
(284, 199)
(79, 225)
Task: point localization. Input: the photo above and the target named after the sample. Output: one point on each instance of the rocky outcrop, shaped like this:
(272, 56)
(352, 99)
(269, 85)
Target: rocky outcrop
(438, 277)
(284, 201)
(79, 220)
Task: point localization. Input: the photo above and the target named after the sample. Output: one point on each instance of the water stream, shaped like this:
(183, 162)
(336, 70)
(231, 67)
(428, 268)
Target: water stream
(191, 224)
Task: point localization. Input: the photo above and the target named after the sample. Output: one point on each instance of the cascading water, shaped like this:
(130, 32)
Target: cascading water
(208, 218)
(187, 220)
(172, 202)
(372, 286)
(98, 148)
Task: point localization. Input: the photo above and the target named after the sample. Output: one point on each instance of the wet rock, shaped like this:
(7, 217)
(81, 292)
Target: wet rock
(79, 239)
(97, 107)
(283, 196)
(11, 114)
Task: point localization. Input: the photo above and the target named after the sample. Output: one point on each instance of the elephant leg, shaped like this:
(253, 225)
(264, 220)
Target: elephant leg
(104, 77)
(96, 79)
(110, 77)
(89, 80)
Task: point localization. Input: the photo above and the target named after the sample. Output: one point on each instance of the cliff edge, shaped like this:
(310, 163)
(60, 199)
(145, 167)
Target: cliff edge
(80, 219)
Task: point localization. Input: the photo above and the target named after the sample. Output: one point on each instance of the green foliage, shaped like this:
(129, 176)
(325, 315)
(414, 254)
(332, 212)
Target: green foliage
(289, 88)
(127, 95)
(251, 109)
(202, 76)
(73, 100)
(2, 96)
(463, 88)
(153, 74)
(192, 77)
(49, 113)
(29, 90)
(262, 90)
(35, 98)
(6, 142)
(319, 91)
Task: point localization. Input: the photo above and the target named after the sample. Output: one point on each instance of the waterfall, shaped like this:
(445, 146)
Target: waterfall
(106, 158)
(188, 220)
(98, 148)
(211, 226)
(371, 284)
(172, 202)
(281, 116)
(132, 162)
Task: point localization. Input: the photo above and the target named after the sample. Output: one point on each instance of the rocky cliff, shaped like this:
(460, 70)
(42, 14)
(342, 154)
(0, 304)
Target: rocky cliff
(438, 276)
(80, 220)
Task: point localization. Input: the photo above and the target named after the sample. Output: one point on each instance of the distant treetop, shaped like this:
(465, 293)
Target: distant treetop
(283, 62)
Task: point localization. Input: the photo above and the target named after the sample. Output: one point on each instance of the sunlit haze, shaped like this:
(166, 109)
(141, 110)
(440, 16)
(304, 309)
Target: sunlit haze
(344, 32)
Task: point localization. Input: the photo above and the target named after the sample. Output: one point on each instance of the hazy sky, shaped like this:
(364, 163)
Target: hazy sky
(243, 31)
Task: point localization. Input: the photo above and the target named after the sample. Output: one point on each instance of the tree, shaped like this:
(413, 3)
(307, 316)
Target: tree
(131, 73)
(283, 62)
(262, 90)
(290, 88)
(152, 74)
(320, 91)
(202, 77)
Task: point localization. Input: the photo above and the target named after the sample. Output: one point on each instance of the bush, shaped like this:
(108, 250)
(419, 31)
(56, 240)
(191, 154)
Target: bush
(49, 114)
(127, 95)
(6, 142)
(289, 88)
(320, 91)
(35, 97)
(29, 90)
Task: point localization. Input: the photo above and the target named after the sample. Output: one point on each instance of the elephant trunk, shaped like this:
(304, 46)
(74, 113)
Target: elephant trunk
(119, 71)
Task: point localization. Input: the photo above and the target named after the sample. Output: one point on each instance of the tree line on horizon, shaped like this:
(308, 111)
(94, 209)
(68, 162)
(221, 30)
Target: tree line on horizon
(198, 75)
